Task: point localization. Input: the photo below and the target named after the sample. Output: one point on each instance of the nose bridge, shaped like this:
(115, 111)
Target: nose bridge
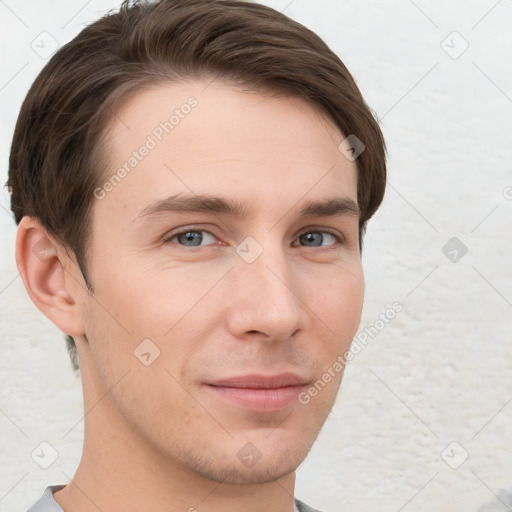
(265, 300)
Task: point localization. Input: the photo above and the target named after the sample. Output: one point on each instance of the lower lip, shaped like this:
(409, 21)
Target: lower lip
(260, 400)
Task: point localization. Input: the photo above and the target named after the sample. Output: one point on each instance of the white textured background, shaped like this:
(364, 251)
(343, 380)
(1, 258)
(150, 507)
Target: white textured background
(441, 371)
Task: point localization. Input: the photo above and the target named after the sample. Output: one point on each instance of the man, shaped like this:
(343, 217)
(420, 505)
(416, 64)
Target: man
(192, 181)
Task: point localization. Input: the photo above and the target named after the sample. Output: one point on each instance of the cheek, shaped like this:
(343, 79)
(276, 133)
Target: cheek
(132, 305)
(150, 312)
(141, 372)
(341, 304)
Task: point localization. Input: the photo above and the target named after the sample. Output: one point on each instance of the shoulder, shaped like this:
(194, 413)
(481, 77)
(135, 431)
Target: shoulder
(302, 507)
(46, 503)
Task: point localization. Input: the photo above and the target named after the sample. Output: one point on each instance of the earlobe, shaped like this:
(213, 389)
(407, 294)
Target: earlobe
(40, 261)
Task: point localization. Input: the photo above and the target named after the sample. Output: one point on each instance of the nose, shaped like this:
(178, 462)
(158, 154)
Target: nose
(265, 298)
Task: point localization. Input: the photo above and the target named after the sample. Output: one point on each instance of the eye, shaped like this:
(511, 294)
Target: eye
(191, 237)
(201, 237)
(317, 238)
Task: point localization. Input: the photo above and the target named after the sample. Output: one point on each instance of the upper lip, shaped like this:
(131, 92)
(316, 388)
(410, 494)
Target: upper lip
(261, 381)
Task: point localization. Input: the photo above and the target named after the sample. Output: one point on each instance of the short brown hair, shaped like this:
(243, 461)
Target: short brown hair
(56, 159)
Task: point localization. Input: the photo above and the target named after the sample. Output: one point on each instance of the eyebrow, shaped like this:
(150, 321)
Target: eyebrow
(218, 205)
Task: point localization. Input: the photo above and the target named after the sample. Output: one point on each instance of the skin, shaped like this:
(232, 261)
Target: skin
(155, 437)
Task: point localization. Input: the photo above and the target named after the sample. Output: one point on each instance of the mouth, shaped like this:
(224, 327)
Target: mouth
(259, 393)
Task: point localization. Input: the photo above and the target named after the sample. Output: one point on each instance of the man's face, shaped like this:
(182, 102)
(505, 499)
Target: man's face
(267, 293)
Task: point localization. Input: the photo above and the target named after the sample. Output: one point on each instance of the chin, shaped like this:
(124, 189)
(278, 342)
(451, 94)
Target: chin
(248, 471)
(261, 473)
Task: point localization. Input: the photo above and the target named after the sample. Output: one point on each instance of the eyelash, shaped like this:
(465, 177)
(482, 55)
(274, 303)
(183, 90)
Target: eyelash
(339, 238)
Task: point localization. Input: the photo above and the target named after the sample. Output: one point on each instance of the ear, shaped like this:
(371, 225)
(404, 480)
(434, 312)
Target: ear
(45, 269)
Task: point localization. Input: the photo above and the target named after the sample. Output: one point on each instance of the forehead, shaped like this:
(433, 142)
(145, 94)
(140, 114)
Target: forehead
(198, 137)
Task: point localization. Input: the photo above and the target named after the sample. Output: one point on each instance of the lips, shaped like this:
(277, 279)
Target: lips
(259, 393)
(261, 382)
